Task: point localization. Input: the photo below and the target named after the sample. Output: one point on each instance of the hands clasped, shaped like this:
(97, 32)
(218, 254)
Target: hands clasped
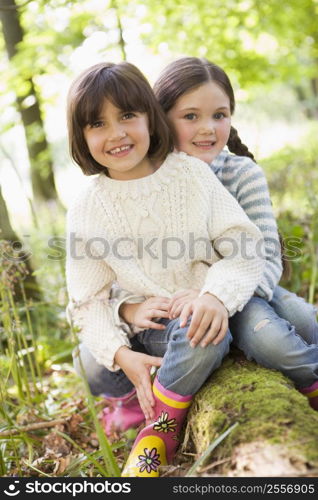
(209, 321)
(208, 324)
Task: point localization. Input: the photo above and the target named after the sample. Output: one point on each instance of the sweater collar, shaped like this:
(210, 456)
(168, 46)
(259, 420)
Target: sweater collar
(145, 185)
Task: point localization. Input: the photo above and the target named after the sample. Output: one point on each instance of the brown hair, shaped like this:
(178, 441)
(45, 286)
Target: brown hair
(188, 73)
(185, 74)
(126, 87)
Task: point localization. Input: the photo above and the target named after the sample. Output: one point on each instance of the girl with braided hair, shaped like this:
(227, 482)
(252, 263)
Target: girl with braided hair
(276, 328)
(198, 98)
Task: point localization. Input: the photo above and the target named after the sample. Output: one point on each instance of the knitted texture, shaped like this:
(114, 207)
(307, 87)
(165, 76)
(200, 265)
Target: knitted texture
(247, 183)
(177, 228)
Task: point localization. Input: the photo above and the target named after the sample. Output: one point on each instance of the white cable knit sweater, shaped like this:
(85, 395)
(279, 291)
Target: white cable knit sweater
(177, 228)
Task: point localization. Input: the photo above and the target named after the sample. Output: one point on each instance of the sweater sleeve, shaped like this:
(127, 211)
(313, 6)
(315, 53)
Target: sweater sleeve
(118, 296)
(234, 278)
(89, 280)
(253, 196)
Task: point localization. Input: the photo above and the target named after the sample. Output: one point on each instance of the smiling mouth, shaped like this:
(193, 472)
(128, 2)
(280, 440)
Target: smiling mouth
(120, 150)
(204, 144)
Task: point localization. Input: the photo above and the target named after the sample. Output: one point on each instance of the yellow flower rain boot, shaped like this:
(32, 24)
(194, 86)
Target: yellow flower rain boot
(156, 443)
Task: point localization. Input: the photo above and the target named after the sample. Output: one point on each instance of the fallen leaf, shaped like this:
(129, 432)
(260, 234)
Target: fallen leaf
(54, 443)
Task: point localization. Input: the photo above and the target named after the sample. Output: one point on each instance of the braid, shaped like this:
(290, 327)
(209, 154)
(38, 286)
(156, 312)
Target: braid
(236, 146)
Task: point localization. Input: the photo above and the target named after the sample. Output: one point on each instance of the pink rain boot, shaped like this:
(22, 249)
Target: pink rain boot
(312, 394)
(156, 443)
(123, 413)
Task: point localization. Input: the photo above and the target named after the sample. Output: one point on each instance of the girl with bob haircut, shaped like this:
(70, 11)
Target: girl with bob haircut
(121, 85)
(132, 224)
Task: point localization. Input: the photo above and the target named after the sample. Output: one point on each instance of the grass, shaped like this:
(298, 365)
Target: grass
(49, 423)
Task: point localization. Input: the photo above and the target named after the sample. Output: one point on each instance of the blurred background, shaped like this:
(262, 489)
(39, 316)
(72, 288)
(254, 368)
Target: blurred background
(270, 52)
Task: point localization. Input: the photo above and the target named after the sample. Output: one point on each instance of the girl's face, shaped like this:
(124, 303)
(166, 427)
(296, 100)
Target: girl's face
(119, 140)
(201, 119)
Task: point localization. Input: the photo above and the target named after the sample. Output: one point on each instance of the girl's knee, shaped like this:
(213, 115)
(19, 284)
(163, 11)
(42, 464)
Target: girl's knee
(264, 329)
(180, 335)
(255, 314)
(305, 322)
(213, 353)
(298, 312)
(268, 340)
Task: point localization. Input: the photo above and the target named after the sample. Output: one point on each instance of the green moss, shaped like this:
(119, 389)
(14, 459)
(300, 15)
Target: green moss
(264, 403)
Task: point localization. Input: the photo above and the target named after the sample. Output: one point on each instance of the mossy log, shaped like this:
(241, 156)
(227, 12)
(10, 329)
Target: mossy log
(277, 431)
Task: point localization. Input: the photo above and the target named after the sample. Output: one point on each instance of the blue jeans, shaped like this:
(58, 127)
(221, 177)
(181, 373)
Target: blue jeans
(280, 334)
(297, 312)
(184, 369)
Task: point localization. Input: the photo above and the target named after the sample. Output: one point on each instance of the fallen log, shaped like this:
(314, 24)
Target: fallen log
(277, 431)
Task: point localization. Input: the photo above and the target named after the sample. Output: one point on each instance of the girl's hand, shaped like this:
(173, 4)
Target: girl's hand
(180, 299)
(137, 366)
(142, 314)
(209, 321)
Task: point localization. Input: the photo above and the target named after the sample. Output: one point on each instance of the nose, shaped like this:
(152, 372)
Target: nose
(207, 126)
(116, 132)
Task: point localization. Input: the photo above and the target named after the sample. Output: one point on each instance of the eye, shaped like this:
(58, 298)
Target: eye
(190, 116)
(97, 124)
(219, 115)
(128, 115)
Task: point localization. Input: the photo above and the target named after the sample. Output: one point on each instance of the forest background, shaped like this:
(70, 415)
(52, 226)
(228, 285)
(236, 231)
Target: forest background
(271, 56)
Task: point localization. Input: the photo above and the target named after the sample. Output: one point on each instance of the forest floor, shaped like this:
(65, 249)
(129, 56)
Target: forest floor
(57, 438)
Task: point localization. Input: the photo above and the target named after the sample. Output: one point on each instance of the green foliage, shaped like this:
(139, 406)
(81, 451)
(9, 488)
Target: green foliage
(52, 30)
(293, 175)
(256, 42)
(293, 180)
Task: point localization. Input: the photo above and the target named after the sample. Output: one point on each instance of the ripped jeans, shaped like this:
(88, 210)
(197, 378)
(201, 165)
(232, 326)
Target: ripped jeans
(280, 334)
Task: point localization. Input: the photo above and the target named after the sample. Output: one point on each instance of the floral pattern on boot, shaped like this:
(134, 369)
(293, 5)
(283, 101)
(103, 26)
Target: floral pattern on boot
(149, 461)
(163, 424)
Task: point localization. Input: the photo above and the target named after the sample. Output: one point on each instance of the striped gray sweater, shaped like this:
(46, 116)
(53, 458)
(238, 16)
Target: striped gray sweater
(245, 180)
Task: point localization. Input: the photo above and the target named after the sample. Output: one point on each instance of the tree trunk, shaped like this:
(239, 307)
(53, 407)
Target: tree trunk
(277, 433)
(314, 88)
(7, 233)
(121, 41)
(28, 105)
